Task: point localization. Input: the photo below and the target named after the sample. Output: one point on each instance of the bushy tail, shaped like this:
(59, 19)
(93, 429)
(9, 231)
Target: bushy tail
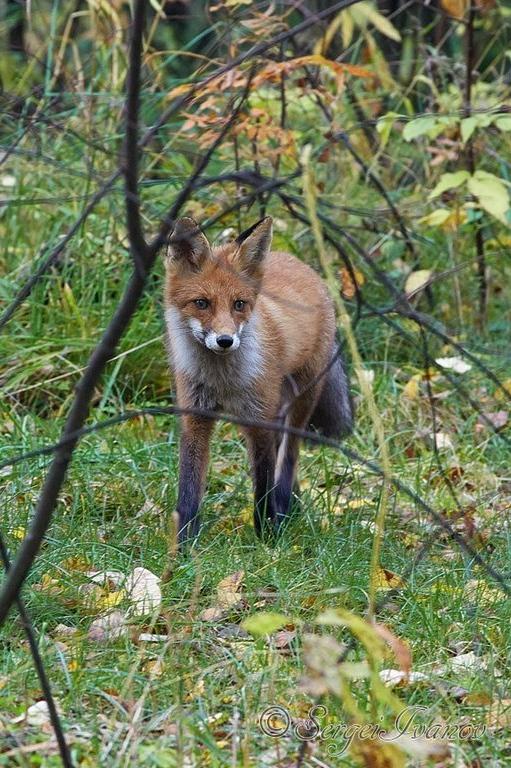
(334, 413)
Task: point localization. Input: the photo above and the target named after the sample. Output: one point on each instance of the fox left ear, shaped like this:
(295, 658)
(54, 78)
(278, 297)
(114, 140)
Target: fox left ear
(254, 245)
(187, 244)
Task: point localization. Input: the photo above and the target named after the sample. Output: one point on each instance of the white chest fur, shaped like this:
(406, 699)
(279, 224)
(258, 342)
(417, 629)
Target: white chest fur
(219, 382)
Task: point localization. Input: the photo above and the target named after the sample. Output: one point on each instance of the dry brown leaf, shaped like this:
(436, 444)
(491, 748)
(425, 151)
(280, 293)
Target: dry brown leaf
(109, 627)
(498, 419)
(350, 283)
(374, 753)
(399, 647)
(499, 715)
(321, 654)
(228, 597)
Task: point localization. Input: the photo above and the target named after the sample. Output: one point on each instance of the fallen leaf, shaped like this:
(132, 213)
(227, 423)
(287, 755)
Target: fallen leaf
(499, 715)
(411, 388)
(110, 579)
(284, 640)
(393, 677)
(320, 655)
(417, 280)
(399, 647)
(455, 364)
(37, 716)
(111, 626)
(498, 419)
(144, 592)
(228, 590)
(478, 591)
(264, 623)
(153, 668)
(503, 392)
(464, 662)
(214, 613)
(455, 8)
(384, 579)
(374, 753)
(420, 747)
(63, 630)
(350, 283)
(148, 637)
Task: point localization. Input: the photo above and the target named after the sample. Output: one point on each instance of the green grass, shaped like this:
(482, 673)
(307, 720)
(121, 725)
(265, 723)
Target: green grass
(211, 677)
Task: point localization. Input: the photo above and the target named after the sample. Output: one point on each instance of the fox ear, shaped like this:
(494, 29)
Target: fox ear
(254, 245)
(188, 244)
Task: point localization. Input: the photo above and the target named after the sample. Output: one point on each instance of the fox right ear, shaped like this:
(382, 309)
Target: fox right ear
(254, 245)
(188, 243)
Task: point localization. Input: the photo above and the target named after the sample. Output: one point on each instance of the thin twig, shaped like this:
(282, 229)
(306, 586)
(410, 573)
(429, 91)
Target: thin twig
(28, 628)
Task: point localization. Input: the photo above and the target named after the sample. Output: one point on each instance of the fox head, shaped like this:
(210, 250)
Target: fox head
(214, 289)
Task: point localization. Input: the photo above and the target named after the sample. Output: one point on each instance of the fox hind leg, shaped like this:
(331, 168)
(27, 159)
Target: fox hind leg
(286, 484)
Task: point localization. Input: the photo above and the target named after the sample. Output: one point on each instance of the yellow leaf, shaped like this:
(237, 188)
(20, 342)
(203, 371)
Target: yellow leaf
(479, 591)
(411, 388)
(384, 579)
(435, 218)
(358, 503)
(455, 8)
(503, 392)
(109, 599)
(491, 193)
(351, 282)
(378, 20)
(417, 280)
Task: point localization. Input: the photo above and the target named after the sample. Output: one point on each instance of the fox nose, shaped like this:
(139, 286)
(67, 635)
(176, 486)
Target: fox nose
(225, 341)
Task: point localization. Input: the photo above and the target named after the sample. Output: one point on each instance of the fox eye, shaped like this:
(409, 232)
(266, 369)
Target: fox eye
(239, 305)
(201, 303)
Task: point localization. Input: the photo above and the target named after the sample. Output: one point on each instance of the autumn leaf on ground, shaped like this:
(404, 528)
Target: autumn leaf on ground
(478, 591)
(350, 282)
(37, 716)
(228, 597)
(416, 281)
(375, 753)
(393, 677)
(503, 393)
(498, 419)
(456, 364)
(109, 627)
(399, 647)
(411, 388)
(384, 579)
(321, 654)
(143, 590)
(264, 623)
(465, 663)
(499, 715)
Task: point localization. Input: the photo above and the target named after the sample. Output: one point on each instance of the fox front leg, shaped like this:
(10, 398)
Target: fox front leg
(193, 464)
(262, 452)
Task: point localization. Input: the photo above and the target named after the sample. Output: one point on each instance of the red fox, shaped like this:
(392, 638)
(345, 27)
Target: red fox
(251, 333)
